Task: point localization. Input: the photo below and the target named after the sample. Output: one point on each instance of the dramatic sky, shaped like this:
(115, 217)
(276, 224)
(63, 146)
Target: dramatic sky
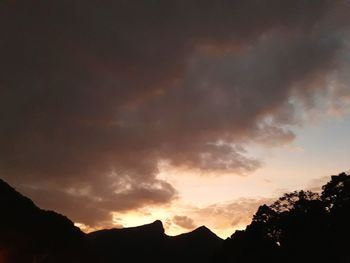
(195, 112)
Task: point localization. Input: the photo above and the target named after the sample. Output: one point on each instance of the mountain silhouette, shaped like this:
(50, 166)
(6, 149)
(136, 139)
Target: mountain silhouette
(301, 226)
(30, 234)
(149, 242)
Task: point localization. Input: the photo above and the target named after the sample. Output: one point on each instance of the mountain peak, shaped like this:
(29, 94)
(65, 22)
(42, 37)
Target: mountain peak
(157, 223)
(204, 231)
(156, 227)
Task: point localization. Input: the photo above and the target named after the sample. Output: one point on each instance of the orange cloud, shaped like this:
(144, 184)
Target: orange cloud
(184, 222)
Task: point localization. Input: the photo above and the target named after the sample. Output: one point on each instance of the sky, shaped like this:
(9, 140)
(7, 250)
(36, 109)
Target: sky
(118, 113)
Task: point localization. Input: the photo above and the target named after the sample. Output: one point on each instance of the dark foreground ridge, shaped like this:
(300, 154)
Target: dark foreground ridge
(301, 226)
(149, 243)
(30, 234)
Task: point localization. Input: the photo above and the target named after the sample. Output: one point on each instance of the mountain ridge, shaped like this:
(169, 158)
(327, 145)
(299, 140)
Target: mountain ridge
(150, 241)
(156, 226)
(31, 234)
(295, 228)
(49, 237)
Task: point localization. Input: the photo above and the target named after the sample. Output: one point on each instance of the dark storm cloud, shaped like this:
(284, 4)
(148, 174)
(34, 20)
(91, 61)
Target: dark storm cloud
(94, 94)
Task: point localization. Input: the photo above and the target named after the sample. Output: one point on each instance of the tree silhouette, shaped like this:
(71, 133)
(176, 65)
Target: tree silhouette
(301, 226)
(336, 193)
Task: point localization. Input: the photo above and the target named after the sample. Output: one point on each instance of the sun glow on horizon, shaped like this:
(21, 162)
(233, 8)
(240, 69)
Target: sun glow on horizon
(235, 194)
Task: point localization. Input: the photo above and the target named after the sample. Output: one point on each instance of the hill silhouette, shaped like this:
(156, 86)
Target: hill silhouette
(30, 234)
(301, 226)
(149, 242)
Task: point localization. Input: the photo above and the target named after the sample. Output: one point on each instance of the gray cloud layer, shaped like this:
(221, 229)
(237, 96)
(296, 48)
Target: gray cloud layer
(93, 95)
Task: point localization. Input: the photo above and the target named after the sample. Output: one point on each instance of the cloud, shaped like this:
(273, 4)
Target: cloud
(222, 218)
(315, 185)
(92, 206)
(184, 222)
(228, 216)
(93, 96)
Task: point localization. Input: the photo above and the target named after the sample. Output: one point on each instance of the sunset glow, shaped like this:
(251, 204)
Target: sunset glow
(120, 113)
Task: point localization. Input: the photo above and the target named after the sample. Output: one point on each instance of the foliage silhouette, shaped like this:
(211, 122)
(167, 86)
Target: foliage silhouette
(301, 226)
